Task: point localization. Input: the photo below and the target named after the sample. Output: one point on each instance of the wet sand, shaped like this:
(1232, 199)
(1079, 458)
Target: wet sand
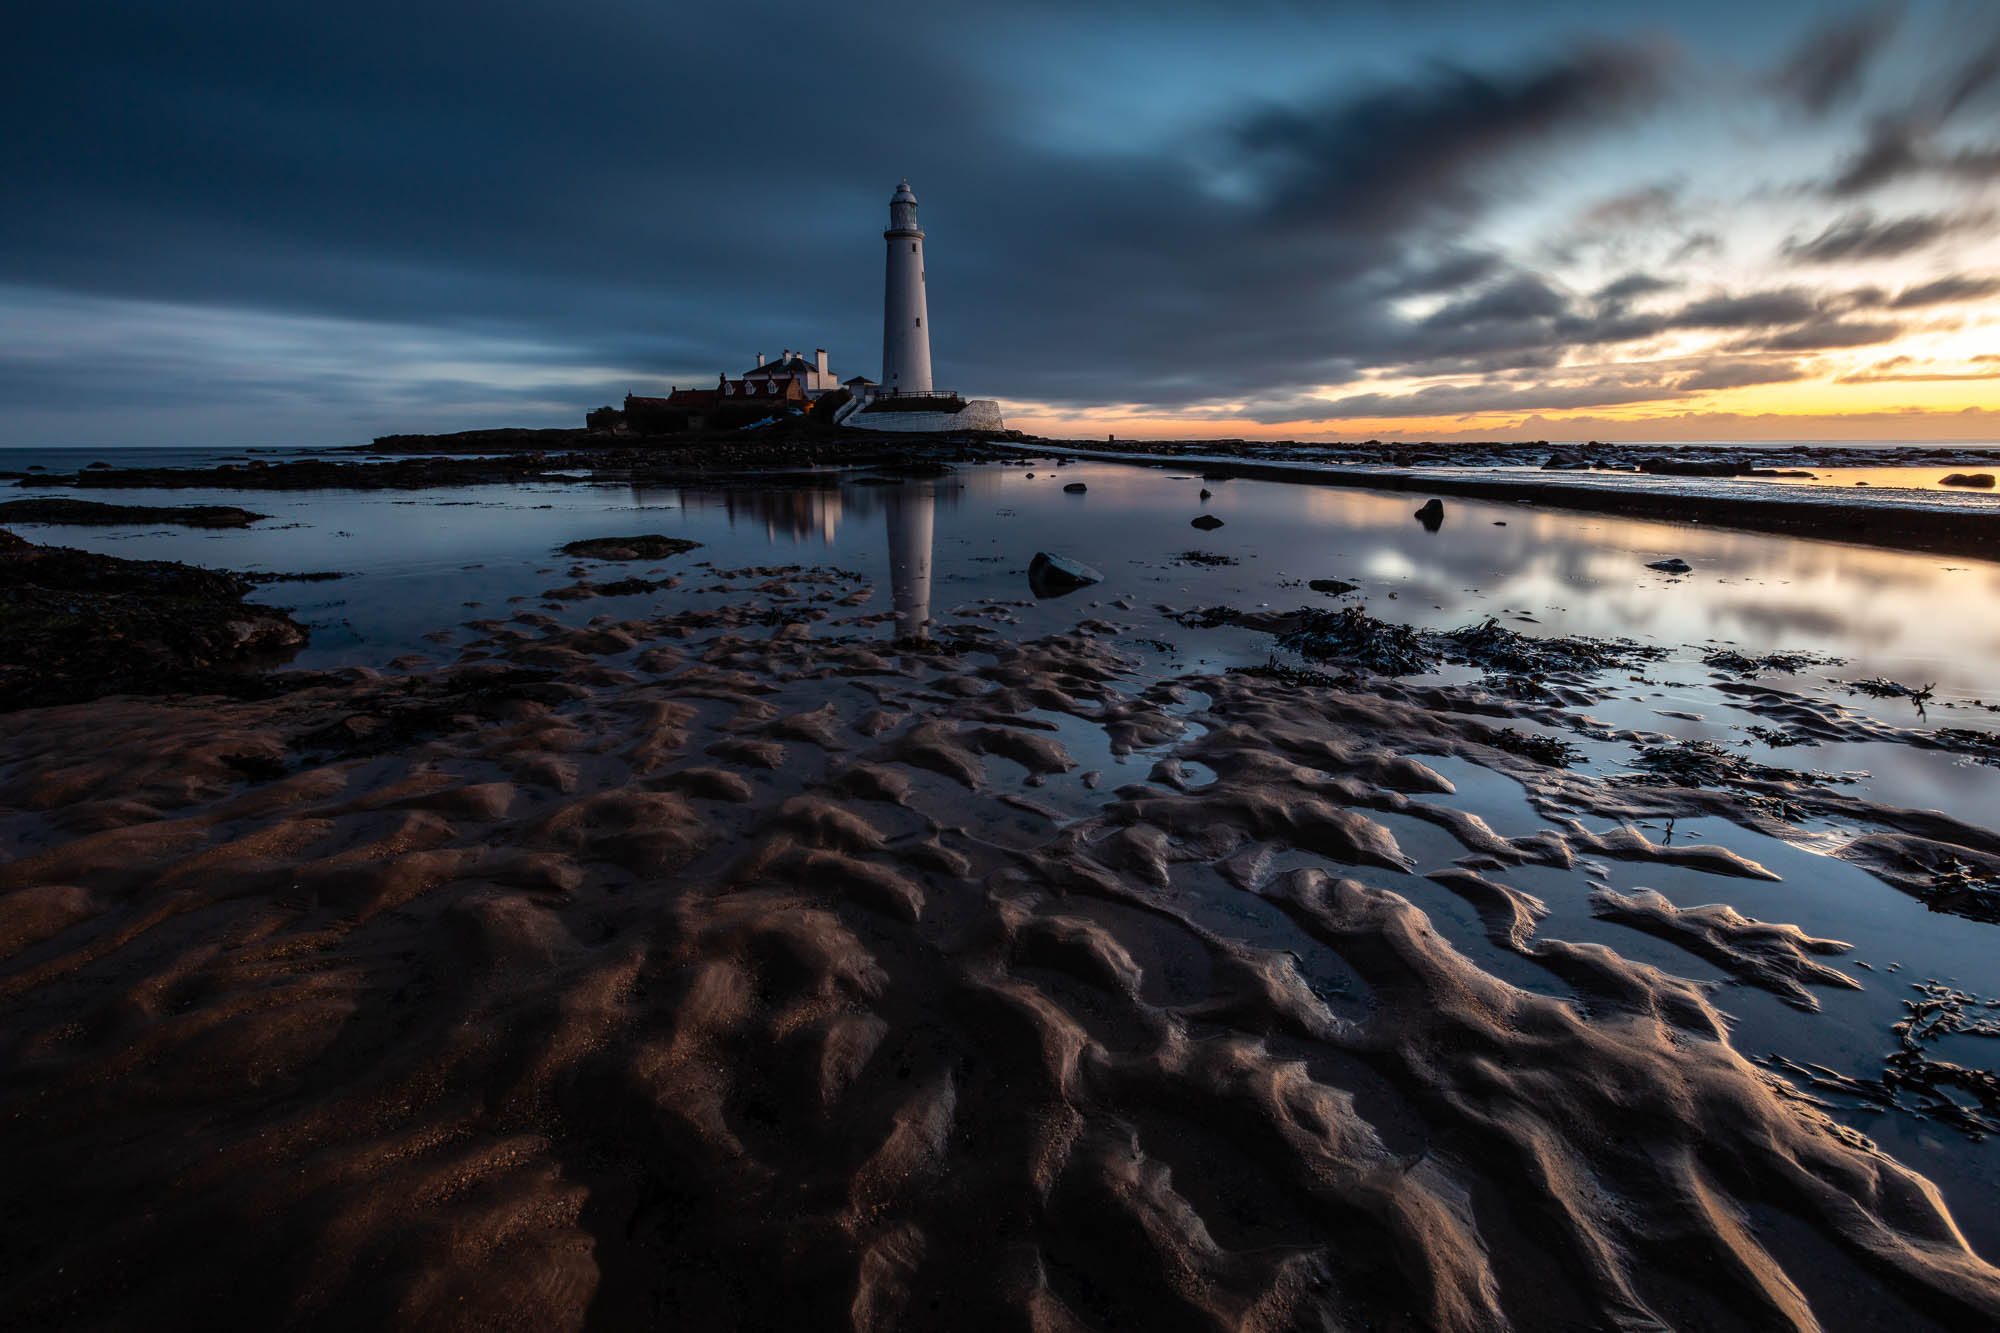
(737, 968)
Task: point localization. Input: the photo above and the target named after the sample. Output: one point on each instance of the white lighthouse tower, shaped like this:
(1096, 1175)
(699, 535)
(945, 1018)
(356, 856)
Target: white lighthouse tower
(906, 335)
(906, 400)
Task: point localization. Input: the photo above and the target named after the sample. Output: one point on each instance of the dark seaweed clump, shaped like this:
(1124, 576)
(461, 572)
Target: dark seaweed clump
(1706, 764)
(1983, 746)
(1209, 558)
(1879, 687)
(1207, 617)
(1742, 664)
(1913, 1079)
(1960, 889)
(1499, 649)
(1273, 669)
(1353, 636)
(1780, 740)
(1549, 751)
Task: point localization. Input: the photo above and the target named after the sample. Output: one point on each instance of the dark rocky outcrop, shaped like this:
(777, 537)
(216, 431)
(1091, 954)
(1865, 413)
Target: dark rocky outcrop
(59, 509)
(75, 626)
(645, 546)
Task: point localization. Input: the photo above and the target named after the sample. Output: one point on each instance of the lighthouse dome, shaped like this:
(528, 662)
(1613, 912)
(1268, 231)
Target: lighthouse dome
(904, 194)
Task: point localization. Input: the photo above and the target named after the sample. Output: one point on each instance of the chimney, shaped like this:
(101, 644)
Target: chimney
(786, 355)
(819, 356)
(760, 358)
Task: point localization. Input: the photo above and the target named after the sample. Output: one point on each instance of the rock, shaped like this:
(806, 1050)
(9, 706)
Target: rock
(1431, 515)
(1055, 575)
(1207, 523)
(1332, 587)
(647, 546)
(52, 509)
(1075, 488)
(1983, 480)
(1671, 565)
(1206, 493)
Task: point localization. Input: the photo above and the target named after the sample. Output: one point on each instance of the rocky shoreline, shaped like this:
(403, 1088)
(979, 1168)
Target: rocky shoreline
(77, 626)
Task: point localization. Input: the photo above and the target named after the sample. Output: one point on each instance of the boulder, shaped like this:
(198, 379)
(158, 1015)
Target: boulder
(1671, 565)
(1983, 480)
(1431, 515)
(1051, 575)
(1075, 488)
(1207, 523)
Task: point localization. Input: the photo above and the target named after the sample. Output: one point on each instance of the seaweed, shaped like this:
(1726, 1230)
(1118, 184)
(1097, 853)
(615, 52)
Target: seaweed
(1962, 890)
(1273, 669)
(1208, 558)
(1780, 740)
(1497, 648)
(1915, 1081)
(1880, 687)
(1982, 746)
(1742, 664)
(1353, 636)
(1207, 617)
(1549, 751)
(1706, 764)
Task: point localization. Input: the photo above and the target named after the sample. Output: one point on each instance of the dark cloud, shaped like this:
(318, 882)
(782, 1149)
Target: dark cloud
(1828, 67)
(1521, 299)
(1945, 291)
(1697, 243)
(1449, 272)
(1901, 370)
(1786, 305)
(1733, 373)
(1975, 79)
(1486, 396)
(1823, 334)
(1898, 147)
(1620, 291)
(1389, 156)
(1863, 236)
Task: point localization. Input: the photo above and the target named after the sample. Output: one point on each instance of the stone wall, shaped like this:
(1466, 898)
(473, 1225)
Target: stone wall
(978, 414)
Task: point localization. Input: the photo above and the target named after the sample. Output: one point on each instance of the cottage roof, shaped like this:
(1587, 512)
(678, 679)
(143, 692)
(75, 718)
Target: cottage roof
(785, 364)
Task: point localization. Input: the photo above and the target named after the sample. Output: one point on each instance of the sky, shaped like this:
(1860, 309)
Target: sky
(239, 223)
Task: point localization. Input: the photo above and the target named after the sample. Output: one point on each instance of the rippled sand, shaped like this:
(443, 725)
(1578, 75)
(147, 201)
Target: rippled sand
(730, 970)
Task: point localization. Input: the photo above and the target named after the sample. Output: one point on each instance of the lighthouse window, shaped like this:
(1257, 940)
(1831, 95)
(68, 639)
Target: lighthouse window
(913, 247)
(920, 321)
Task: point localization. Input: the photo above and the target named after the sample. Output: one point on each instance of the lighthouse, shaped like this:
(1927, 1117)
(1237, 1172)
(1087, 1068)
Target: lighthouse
(906, 335)
(906, 400)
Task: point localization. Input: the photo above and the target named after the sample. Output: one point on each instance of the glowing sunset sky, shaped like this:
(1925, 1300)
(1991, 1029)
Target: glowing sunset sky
(244, 224)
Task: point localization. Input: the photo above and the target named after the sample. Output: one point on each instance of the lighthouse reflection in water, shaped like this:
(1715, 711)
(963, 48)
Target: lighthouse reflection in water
(813, 516)
(908, 510)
